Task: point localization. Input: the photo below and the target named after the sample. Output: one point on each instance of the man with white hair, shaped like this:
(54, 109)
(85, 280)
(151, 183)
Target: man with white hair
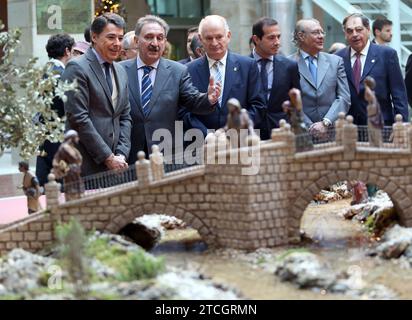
(238, 76)
(129, 47)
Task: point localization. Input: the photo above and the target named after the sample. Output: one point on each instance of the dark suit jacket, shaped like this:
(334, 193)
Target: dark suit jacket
(185, 60)
(408, 79)
(172, 88)
(382, 64)
(285, 77)
(242, 81)
(102, 127)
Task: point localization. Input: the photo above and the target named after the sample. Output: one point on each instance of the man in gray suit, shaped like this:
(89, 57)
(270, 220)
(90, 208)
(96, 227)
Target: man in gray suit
(99, 110)
(325, 89)
(157, 88)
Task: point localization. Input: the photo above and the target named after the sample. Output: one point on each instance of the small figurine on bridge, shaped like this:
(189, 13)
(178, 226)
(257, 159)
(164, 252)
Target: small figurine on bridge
(67, 164)
(31, 187)
(375, 118)
(238, 119)
(293, 110)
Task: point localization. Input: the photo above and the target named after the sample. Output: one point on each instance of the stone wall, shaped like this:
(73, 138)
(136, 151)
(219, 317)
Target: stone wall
(32, 233)
(228, 207)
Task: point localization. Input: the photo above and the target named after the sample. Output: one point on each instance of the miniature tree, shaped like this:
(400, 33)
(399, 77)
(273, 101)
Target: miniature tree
(72, 240)
(27, 91)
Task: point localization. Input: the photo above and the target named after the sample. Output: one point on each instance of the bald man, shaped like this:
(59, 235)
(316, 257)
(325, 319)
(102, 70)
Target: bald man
(238, 76)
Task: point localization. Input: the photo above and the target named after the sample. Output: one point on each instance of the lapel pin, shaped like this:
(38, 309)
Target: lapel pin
(235, 69)
(373, 61)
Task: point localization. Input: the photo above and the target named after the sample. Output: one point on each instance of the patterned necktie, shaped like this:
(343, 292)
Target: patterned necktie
(313, 69)
(264, 76)
(147, 89)
(108, 76)
(357, 68)
(218, 78)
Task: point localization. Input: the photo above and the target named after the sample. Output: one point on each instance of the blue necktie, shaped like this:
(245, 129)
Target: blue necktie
(108, 76)
(313, 69)
(218, 78)
(147, 89)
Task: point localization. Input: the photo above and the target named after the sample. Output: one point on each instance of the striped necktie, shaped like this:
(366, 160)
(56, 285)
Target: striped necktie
(147, 89)
(218, 78)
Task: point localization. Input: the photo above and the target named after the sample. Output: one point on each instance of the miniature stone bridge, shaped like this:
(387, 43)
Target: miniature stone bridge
(227, 207)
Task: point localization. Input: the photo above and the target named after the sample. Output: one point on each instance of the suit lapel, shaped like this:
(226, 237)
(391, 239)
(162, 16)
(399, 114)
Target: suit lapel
(323, 66)
(348, 65)
(230, 77)
(370, 61)
(98, 71)
(277, 70)
(304, 70)
(201, 72)
(134, 89)
(162, 76)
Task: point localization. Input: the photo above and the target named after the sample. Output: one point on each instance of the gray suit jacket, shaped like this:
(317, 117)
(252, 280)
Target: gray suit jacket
(330, 95)
(103, 128)
(172, 88)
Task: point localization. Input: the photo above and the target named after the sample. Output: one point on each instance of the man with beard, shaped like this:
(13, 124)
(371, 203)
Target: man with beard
(325, 90)
(278, 73)
(157, 88)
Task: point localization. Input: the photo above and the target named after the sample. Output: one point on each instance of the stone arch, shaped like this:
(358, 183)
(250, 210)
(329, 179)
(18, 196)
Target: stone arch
(120, 220)
(397, 194)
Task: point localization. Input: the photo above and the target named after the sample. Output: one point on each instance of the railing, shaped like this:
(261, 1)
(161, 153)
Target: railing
(112, 180)
(308, 142)
(384, 138)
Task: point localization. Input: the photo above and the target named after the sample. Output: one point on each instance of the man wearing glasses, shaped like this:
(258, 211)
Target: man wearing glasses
(325, 90)
(363, 58)
(129, 48)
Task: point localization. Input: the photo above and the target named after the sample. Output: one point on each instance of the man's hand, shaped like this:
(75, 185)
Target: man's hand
(213, 91)
(116, 162)
(318, 130)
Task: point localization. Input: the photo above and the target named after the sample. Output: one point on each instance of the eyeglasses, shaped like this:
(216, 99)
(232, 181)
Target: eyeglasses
(317, 33)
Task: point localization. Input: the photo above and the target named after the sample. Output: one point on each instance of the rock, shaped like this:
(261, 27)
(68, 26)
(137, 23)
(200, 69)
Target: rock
(20, 271)
(305, 270)
(192, 285)
(395, 242)
(101, 270)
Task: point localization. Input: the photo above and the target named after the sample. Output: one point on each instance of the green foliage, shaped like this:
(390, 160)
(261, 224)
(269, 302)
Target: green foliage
(130, 265)
(72, 241)
(289, 252)
(24, 91)
(142, 266)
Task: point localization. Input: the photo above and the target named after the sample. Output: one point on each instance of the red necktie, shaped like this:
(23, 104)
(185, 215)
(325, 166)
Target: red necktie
(357, 68)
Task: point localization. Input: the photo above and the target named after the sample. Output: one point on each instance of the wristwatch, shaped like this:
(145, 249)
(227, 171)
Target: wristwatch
(326, 122)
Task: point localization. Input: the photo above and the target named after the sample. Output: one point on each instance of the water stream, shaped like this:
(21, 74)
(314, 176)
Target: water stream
(342, 244)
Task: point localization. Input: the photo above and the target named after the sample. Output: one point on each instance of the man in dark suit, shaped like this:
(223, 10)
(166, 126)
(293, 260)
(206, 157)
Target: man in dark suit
(59, 49)
(408, 79)
(278, 73)
(99, 110)
(157, 88)
(190, 33)
(363, 58)
(238, 75)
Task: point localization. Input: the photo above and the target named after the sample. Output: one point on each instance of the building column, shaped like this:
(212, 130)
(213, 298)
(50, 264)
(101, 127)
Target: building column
(394, 16)
(284, 11)
(307, 9)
